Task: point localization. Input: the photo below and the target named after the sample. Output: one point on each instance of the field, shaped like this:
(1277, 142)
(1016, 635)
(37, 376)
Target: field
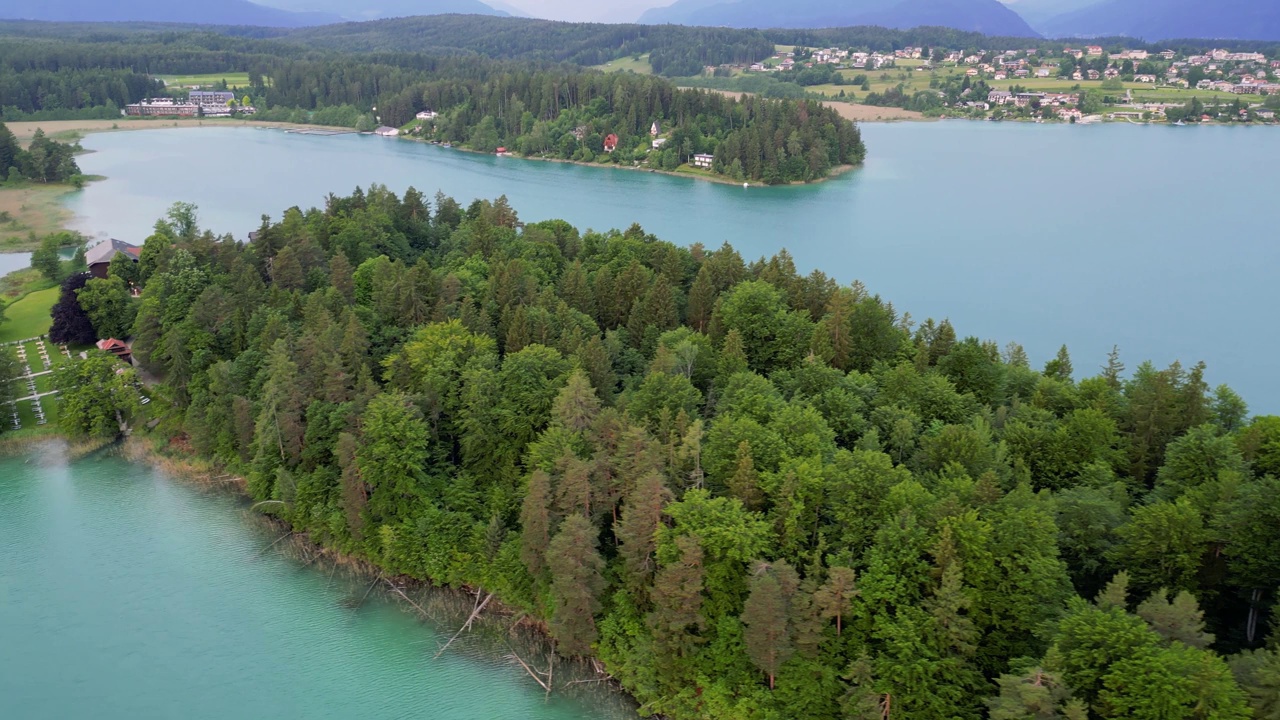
(849, 111)
(28, 317)
(31, 209)
(915, 81)
(639, 66)
(234, 80)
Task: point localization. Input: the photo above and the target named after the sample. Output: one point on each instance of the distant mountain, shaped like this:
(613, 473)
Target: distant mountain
(377, 9)
(1036, 12)
(1154, 20)
(985, 16)
(202, 12)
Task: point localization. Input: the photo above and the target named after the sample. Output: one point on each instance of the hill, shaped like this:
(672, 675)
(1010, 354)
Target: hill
(200, 12)
(1167, 19)
(986, 16)
(376, 9)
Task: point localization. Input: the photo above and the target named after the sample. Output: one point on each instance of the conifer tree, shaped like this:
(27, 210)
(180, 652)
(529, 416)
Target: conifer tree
(677, 619)
(835, 598)
(638, 527)
(765, 613)
(1177, 620)
(535, 523)
(744, 484)
(576, 583)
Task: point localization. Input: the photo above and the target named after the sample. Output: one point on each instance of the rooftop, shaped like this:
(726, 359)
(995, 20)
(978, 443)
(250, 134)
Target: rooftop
(106, 251)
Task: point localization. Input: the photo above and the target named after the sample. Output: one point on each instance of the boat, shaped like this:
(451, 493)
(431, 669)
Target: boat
(1179, 124)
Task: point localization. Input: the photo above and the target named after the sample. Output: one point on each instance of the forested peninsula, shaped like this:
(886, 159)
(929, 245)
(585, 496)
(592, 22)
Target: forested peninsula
(750, 493)
(540, 109)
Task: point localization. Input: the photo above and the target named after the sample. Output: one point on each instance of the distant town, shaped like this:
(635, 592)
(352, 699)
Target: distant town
(1063, 83)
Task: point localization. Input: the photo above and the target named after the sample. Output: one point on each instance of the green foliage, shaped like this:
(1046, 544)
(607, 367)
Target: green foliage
(97, 399)
(109, 307)
(748, 492)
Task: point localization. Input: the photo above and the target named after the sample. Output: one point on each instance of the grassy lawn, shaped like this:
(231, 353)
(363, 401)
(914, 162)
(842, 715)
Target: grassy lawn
(30, 209)
(20, 282)
(29, 317)
(639, 66)
(234, 80)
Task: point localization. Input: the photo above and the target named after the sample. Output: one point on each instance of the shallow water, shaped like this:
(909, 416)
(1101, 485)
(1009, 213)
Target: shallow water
(126, 594)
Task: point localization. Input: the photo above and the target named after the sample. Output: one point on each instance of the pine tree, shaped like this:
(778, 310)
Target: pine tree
(835, 598)
(576, 406)
(677, 618)
(733, 358)
(638, 527)
(1032, 695)
(1179, 620)
(535, 523)
(576, 583)
(575, 289)
(768, 634)
(702, 298)
(1112, 370)
(1059, 368)
(744, 484)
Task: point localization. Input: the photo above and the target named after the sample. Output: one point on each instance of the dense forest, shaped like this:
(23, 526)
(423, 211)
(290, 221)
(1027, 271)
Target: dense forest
(558, 111)
(751, 493)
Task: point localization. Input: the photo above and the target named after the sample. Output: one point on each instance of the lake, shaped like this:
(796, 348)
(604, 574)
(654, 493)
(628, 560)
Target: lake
(124, 594)
(1159, 240)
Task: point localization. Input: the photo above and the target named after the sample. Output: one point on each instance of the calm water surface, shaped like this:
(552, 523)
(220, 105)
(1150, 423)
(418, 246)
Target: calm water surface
(1159, 240)
(14, 261)
(124, 594)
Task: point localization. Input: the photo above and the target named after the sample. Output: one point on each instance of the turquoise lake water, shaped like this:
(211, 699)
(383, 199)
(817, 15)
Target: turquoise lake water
(126, 595)
(1159, 240)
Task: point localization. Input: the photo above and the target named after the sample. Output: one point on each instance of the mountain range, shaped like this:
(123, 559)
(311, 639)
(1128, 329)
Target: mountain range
(985, 16)
(202, 12)
(1154, 20)
(281, 13)
(1150, 20)
(376, 9)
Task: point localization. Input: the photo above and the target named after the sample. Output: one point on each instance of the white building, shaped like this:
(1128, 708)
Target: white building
(703, 160)
(427, 115)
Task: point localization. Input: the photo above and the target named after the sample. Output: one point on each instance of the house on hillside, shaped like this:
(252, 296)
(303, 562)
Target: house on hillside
(1094, 50)
(610, 142)
(99, 256)
(427, 115)
(703, 160)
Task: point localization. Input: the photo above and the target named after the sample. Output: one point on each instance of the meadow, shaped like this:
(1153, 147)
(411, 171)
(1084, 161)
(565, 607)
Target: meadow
(233, 80)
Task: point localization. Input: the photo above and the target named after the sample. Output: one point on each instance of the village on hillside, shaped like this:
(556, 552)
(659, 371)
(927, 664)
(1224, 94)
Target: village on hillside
(1056, 82)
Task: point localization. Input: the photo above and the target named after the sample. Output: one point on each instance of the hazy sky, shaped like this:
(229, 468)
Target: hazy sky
(587, 10)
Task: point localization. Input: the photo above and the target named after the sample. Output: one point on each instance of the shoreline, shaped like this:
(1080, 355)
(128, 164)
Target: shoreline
(201, 472)
(832, 174)
(75, 129)
(461, 603)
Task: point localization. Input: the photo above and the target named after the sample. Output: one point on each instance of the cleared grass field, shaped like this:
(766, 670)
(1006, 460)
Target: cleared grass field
(234, 80)
(639, 66)
(29, 317)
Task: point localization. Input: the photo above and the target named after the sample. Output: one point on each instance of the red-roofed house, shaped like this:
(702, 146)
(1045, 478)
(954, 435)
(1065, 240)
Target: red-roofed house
(119, 348)
(610, 143)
